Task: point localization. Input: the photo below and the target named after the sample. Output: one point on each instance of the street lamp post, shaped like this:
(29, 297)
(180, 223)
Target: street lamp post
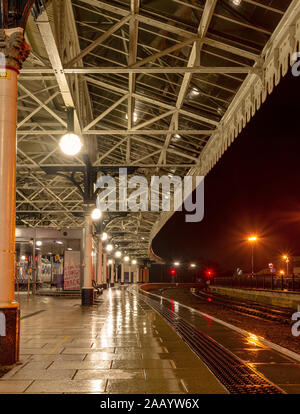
(252, 240)
(286, 259)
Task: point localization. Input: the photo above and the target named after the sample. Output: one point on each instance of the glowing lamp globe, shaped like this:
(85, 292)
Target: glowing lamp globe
(96, 214)
(70, 144)
(104, 236)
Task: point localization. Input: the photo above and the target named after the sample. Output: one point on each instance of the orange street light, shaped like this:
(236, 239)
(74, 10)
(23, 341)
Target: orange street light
(286, 259)
(252, 238)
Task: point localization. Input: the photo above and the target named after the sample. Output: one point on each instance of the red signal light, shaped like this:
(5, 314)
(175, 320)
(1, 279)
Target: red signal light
(27, 259)
(173, 272)
(35, 259)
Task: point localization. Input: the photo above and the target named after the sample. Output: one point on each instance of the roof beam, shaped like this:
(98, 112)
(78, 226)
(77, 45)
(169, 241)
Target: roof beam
(106, 112)
(133, 43)
(162, 25)
(151, 101)
(145, 70)
(45, 29)
(194, 60)
(123, 131)
(44, 106)
(164, 52)
(99, 40)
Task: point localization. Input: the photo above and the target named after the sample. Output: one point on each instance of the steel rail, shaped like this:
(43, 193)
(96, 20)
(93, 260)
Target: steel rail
(250, 308)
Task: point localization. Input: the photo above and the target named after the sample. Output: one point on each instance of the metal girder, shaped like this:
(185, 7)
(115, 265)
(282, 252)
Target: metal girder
(123, 132)
(161, 25)
(194, 59)
(146, 99)
(45, 29)
(98, 41)
(133, 70)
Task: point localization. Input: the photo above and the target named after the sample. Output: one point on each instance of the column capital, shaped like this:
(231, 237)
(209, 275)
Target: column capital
(13, 48)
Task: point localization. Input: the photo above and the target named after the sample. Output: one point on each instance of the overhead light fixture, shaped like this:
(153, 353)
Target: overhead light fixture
(104, 236)
(195, 92)
(176, 264)
(23, 257)
(59, 242)
(39, 243)
(96, 214)
(69, 248)
(133, 262)
(193, 265)
(220, 111)
(134, 116)
(237, 2)
(126, 259)
(110, 262)
(70, 143)
(109, 247)
(176, 137)
(118, 254)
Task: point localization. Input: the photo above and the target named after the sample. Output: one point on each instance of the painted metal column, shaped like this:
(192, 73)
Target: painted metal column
(140, 275)
(13, 52)
(39, 266)
(100, 263)
(146, 275)
(112, 273)
(105, 270)
(122, 274)
(143, 275)
(129, 274)
(87, 291)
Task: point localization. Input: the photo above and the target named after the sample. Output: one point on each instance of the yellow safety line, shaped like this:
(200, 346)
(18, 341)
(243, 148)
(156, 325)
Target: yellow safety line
(59, 343)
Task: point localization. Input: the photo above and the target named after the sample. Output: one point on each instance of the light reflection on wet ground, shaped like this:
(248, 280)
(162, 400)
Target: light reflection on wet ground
(278, 368)
(118, 346)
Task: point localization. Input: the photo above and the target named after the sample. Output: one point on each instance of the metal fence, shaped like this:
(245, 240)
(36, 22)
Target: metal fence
(270, 282)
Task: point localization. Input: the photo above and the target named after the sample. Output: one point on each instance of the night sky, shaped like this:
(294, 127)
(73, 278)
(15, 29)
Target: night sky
(254, 188)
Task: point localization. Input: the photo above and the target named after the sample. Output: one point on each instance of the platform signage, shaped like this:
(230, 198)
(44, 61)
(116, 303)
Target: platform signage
(72, 270)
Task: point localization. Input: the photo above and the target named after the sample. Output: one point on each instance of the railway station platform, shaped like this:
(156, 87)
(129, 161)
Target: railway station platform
(132, 343)
(118, 346)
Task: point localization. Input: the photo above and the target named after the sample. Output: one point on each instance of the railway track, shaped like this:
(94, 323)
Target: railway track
(255, 309)
(232, 372)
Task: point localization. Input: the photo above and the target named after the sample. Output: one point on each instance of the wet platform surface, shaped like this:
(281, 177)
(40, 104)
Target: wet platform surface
(119, 346)
(123, 346)
(278, 368)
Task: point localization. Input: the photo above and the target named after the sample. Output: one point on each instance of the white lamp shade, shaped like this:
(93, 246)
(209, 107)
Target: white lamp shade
(70, 144)
(96, 214)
